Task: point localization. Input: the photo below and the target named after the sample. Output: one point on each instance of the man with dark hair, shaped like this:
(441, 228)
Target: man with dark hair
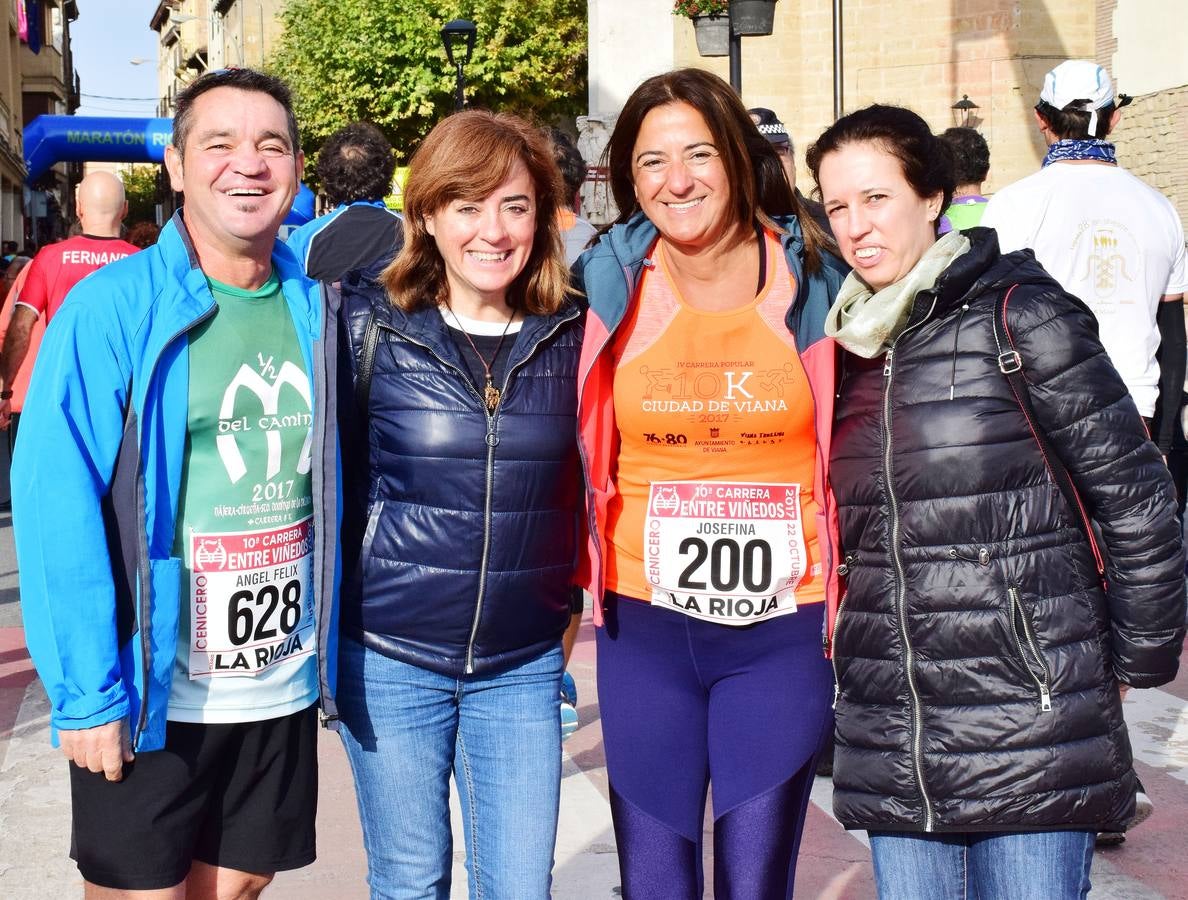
(355, 166)
(971, 165)
(1113, 241)
(174, 518)
(576, 232)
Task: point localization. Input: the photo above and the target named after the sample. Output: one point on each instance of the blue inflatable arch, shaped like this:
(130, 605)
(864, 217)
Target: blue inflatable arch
(53, 139)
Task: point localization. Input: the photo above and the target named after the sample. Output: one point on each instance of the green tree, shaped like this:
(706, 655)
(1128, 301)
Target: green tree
(384, 62)
(140, 187)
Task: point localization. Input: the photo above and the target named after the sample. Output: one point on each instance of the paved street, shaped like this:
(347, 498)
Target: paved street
(34, 808)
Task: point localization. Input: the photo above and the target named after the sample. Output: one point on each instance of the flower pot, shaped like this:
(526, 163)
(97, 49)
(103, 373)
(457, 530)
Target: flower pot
(713, 35)
(752, 18)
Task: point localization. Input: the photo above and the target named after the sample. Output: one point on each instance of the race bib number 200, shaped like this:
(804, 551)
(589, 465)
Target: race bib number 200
(728, 552)
(250, 604)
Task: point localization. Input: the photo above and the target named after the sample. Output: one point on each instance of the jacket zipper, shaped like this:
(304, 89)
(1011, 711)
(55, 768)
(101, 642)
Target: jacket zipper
(1019, 617)
(901, 579)
(842, 570)
(145, 605)
(492, 440)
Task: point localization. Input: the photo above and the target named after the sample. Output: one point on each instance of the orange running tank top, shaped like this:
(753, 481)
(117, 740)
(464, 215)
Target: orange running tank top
(714, 514)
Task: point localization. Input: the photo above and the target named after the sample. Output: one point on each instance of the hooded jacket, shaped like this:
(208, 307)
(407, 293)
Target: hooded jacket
(460, 532)
(977, 654)
(96, 480)
(608, 274)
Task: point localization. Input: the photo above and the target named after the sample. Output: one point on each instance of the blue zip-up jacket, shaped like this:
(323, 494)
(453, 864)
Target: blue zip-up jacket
(460, 531)
(96, 479)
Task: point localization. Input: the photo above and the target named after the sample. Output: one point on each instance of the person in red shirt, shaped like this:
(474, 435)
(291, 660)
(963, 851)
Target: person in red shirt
(59, 267)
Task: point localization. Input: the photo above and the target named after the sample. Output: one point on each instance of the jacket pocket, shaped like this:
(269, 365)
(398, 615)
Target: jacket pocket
(373, 518)
(1028, 649)
(843, 570)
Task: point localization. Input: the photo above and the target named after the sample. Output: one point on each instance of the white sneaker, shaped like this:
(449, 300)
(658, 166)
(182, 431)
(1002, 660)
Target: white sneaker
(1143, 807)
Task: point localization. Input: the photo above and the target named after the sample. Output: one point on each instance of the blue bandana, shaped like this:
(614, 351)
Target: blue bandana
(1102, 151)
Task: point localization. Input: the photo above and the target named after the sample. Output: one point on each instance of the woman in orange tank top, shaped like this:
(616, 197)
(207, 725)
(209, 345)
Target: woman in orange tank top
(705, 405)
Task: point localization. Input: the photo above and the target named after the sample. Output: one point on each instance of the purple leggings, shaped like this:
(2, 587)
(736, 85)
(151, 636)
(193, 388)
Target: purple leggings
(686, 702)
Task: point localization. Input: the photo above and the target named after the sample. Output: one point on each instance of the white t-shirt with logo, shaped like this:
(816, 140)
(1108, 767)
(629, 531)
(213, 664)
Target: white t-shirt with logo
(1109, 239)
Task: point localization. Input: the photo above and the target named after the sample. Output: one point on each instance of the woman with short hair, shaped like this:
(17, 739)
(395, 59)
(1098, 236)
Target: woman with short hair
(1012, 556)
(460, 524)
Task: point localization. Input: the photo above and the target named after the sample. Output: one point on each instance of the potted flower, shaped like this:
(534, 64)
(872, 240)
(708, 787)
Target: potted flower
(711, 24)
(753, 18)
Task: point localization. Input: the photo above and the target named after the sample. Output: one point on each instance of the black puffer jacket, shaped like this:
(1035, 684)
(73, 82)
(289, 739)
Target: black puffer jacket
(460, 528)
(972, 595)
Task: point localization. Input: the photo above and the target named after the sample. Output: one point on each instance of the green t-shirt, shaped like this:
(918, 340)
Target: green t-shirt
(245, 649)
(966, 212)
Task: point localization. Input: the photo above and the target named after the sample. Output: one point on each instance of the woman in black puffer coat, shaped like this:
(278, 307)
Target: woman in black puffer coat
(979, 658)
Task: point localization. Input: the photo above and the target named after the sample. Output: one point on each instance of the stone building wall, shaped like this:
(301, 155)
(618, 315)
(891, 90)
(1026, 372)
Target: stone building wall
(1143, 51)
(927, 53)
(919, 53)
(1152, 141)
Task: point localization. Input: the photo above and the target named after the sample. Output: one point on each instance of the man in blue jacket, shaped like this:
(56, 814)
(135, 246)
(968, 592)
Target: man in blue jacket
(169, 497)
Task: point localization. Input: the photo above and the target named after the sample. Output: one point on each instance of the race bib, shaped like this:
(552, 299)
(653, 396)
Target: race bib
(728, 552)
(250, 600)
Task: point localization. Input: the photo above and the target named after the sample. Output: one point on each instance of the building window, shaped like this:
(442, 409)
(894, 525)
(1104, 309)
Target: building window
(57, 29)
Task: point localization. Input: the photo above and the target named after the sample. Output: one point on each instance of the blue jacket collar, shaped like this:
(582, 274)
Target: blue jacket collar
(625, 249)
(181, 261)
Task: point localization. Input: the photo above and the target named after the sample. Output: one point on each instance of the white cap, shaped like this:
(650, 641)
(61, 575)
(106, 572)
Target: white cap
(1079, 80)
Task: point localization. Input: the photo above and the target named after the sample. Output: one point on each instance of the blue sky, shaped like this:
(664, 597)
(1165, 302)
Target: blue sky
(105, 36)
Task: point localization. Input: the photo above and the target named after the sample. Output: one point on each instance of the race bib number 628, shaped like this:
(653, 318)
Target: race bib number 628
(250, 600)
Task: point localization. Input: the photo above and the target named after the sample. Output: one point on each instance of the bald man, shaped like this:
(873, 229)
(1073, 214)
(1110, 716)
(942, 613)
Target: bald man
(59, 267)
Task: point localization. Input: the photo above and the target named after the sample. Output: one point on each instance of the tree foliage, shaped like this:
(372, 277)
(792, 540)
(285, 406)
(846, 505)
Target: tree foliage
(140, 190)
(384, 62)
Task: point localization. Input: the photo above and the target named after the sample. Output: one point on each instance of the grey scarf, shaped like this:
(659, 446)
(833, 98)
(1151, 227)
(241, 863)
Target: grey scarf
(866, 323)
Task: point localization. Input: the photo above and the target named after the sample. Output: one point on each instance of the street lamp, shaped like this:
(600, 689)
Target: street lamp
(963, 110)
(458, 37)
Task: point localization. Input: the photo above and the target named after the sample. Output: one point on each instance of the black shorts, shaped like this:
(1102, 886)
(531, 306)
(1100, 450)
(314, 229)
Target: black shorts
(241, 796)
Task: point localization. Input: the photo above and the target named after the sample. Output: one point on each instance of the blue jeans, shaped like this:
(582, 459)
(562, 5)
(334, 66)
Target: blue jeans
(406, 728)
(1013, 865)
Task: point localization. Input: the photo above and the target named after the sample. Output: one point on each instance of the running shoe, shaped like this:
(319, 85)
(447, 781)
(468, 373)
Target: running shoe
(1143, 807)
(569, 716)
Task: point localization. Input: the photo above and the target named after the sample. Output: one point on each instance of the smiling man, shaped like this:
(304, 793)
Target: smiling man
(167, 534)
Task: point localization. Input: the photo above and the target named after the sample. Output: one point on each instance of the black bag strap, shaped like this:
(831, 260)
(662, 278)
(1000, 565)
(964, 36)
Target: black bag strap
(366, 364)
(1010, 363)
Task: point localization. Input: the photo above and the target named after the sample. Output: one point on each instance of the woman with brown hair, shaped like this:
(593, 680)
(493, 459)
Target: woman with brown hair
(461, 498)
(705, 414)
(1013, 559)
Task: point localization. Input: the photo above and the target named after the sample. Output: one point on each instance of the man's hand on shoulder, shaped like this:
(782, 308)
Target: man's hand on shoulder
(104, 748)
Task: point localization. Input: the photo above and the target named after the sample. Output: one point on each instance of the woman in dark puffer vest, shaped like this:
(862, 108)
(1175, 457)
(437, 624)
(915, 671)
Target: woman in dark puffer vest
(460, 527)
(979, 659)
